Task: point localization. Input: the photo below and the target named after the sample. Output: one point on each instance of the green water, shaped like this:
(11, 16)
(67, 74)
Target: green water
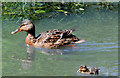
(98, 28)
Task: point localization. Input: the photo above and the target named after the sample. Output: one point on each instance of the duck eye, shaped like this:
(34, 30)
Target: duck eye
(23, 25)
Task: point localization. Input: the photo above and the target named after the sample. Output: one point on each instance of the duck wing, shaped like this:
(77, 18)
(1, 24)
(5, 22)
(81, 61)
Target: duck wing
(54, 34)
(57, 37)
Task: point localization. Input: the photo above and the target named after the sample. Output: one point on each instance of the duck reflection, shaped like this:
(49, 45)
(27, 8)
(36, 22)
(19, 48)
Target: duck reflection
(26, 64)
(30, 58)
(59, 51)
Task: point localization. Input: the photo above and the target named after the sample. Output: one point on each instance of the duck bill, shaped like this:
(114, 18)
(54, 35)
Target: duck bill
(83, 69)
(16, 31)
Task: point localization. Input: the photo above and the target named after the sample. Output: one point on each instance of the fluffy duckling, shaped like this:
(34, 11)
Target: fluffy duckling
(88, 70)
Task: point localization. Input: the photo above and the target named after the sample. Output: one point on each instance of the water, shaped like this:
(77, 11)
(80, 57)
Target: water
(98, 28)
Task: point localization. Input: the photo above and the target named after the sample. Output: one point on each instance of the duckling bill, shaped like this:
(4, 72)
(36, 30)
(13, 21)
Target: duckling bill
(49, 39)
(88, 70)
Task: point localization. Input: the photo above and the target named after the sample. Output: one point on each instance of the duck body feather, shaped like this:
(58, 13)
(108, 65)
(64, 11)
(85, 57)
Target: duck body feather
(55, 38)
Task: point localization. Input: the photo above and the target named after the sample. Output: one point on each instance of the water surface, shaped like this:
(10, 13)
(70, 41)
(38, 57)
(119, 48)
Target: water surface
(98, 28)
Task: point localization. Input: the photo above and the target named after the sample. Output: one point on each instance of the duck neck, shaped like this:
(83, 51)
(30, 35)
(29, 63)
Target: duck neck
(32, 31)
(30, 39)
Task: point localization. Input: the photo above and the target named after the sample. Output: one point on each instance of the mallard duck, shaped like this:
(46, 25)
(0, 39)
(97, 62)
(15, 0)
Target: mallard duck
(49, 39)
(88, 70)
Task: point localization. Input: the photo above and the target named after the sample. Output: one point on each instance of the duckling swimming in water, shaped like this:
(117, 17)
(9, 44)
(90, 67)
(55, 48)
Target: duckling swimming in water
(88, 70)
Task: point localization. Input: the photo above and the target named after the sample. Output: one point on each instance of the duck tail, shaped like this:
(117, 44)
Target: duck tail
(80, 41)
(73, 29)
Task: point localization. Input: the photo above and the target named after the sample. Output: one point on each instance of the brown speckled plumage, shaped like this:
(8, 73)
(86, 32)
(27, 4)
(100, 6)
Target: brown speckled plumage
(48, 39)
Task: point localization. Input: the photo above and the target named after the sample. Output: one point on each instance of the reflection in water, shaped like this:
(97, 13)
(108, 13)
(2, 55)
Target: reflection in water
(52, 52)
(27, 63)
(59, 51)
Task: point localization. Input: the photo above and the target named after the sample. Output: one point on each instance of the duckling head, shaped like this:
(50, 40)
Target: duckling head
(83, 68)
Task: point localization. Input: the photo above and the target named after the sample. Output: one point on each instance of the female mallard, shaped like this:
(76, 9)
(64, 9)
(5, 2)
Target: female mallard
(48, 39)
(88, 70)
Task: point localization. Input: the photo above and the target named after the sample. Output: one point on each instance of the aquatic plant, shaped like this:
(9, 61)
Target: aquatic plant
(39, 10)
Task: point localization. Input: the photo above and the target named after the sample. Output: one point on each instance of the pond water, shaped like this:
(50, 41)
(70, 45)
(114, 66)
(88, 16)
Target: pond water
(98, 28)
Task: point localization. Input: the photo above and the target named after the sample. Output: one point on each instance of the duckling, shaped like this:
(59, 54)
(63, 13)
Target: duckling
(88, 70)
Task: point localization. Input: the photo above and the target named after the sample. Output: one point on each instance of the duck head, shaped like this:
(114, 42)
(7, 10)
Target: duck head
(26, 26)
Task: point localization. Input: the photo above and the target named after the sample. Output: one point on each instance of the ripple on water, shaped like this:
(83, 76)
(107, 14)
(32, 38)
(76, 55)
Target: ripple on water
(87, 46)
(90, 43)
